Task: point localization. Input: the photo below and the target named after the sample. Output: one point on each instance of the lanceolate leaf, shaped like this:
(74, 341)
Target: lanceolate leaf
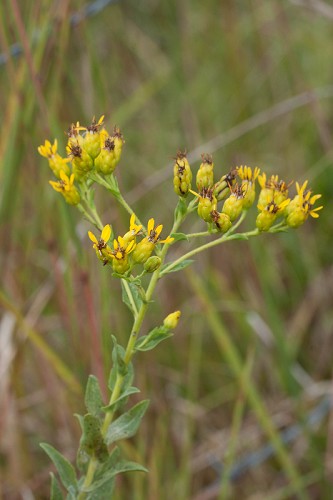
(127, 424)
(65, 469)
(131, 296)
(93, 397)
(92, 443)
(56, 493)
(125, 394)
(177, 267)
(157, 335)
(179, 236)
(121, 466)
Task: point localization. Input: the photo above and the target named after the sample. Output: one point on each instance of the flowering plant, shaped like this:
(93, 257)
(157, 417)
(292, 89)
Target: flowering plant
(222, 204)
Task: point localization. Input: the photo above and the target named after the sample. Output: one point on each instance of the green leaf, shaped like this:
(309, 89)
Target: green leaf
(125, 394)
(181, 209)
(93, 396)
(127, 424)
(120, 467)
(80, 419)
(91, 443)
(103, 491)
(176, 268)
(179, 236)
(131, 296)
(55, 493)
(65, 469)
(154, 337)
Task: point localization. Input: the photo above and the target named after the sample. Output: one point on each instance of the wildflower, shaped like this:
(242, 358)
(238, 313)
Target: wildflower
(182, 175)
(233, 205)
(120, 263)
(205, 175)
(145, 247)
(269, 213)
(171, 321)
(109, 156)
(222, 221)
(272, 189)
(73, 134)
(82, 161)
(66, 187)
(248, 184)
(301, 206)
(56, 162)
(103, 251)
(134, 230)
(91, 142)
(207, 203)
(223, 186)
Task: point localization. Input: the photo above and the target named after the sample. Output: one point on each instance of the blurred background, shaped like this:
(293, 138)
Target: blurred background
(241, 395)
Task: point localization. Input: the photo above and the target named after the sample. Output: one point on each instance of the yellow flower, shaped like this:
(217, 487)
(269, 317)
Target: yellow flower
(134, 230)
(269, 213)
(171, 321)
(91, 142)
(56, 162)
(110, 151)
(120, 253)
(248, 184)
(146, 246)
(66, 187)
(272, 189)
(82, 161)
(233, 205)
(103, 251)
(301, 206)
(207, 203)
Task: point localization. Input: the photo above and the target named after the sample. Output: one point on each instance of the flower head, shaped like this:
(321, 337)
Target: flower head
(301, 206)
(134, 230)
(103, 252)
(56, 162)
(66, 187)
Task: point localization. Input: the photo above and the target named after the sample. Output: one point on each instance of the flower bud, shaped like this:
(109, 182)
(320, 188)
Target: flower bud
(205, 175)
(152, 264)
(222, 187)
(82, 162)
(265, 220)
(182, 175)
(91, 141)
(142, 251)
(171, 321)
(233, 205)
(207, 204)
(222, 221)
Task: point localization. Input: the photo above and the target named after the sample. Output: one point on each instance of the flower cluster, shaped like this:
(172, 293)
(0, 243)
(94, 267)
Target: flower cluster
(125, 252)
(89, 149)
(237, 190)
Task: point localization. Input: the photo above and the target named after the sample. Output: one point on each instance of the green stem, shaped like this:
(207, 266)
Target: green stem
(89, 477)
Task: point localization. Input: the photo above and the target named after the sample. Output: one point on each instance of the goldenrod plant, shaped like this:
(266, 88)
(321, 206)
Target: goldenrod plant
(139, 259)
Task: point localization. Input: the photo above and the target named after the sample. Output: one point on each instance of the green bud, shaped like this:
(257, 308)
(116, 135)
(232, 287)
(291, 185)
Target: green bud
(152, 264)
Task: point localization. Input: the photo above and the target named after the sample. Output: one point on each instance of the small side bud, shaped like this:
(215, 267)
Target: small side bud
(152, 264)
(171, 321)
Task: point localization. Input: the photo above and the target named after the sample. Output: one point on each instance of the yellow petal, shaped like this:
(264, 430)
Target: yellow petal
(115, 244)
(92, 237)
(150, 225)
(64, 177)
(106, 233)
(158, 231)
